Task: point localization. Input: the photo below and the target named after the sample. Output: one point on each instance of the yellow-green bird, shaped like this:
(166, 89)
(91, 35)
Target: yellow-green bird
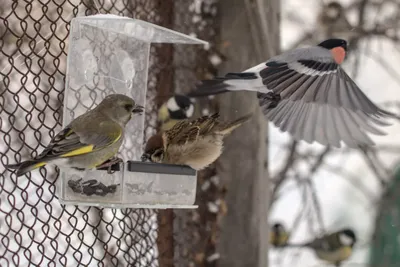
(278, 236)
(335, 247)
(177, 108)
(89, 140)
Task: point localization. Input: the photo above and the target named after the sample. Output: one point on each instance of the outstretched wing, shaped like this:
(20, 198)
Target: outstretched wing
(312, 81)
(71, 142)
(320, 102)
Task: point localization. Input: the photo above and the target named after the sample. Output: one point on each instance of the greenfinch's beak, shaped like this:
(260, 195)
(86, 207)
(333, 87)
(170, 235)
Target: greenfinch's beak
(138, 109)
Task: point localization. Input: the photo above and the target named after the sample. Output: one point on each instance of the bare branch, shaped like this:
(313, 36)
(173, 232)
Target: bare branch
(281, 176)
(374, 164)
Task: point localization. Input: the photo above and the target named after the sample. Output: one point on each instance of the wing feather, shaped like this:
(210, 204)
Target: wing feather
(71, 141)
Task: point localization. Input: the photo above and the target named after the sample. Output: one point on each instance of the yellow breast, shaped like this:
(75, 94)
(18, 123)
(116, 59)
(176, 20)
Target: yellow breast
(339, 255)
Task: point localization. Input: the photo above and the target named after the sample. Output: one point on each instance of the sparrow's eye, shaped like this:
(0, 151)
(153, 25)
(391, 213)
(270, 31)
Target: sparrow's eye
(129, 107)
(157, 156)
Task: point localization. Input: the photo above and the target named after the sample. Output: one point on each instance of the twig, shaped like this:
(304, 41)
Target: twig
(372, 164)
(389, 69)
(281, 176)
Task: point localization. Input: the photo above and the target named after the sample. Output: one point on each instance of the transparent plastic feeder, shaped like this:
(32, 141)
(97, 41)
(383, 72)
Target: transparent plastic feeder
(109, 54)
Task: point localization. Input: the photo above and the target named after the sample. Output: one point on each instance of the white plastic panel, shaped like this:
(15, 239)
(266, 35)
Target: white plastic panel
(159, 189)
(139, 29)
(139, 185)
(100, 63)
(91, 188)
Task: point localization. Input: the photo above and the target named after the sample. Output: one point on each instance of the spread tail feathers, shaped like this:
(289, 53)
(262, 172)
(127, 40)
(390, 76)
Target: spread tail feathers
(218, 85)
(25, 166)
(210, 87)
(229, 127)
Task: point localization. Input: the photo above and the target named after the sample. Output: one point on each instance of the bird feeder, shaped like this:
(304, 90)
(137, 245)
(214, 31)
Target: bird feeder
(110, 54)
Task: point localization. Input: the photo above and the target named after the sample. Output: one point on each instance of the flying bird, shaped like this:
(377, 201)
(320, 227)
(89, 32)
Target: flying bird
(278, 236)
(177, 107)
(196, 143)
(89, 140)
(333, 248)
(306, 92)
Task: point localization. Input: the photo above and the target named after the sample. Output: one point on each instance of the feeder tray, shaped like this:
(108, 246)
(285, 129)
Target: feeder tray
(143, 185)
(109, 54)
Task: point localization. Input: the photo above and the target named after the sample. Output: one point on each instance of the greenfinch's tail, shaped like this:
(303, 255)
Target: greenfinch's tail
(25, 166)
(229, 127)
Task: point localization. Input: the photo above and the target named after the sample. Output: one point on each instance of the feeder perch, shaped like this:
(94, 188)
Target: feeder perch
(109, 54)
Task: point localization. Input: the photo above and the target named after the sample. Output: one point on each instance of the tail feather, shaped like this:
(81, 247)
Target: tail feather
(228, 128)
(25, 166)
(209, 87)
(220, 85)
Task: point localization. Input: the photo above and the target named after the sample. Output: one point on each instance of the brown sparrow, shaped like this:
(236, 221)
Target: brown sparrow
(196, 143)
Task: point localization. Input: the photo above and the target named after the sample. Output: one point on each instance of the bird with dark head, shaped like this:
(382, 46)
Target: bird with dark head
(177, 107)
(305, 92)
(196, 143)
(333, 248)
(89, 140)
(338, 48)
(278, 236)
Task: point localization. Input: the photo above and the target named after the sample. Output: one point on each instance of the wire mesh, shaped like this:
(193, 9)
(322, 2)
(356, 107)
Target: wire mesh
(35, 230)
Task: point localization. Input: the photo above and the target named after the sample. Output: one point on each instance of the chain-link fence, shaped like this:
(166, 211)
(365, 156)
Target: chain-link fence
(35, 230)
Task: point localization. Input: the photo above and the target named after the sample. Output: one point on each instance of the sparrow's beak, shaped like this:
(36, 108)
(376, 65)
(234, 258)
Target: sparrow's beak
(145, 157)
(138, 109)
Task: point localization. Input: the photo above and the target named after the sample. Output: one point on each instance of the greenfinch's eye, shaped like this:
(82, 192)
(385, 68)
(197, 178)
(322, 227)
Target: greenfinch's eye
(129, 107)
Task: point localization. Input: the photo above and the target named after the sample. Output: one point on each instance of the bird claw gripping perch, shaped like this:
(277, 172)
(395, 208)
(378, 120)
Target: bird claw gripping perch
(270, 99)
(109, 163)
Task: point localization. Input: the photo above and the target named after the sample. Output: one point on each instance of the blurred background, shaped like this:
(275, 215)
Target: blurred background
(263, 176)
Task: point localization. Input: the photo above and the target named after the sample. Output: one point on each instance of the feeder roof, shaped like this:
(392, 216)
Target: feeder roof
(139, 29)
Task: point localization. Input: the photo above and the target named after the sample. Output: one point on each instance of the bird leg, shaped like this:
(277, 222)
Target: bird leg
(109, 163)
(269, 100)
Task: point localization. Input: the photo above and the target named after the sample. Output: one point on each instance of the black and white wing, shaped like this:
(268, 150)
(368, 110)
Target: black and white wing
(320, 102)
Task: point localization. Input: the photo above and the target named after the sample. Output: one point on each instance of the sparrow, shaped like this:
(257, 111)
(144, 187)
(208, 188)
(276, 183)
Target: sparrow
(306, 92)
(278, 236)
(195, 143)
(89, 140)
(178, 107)
(333, 248)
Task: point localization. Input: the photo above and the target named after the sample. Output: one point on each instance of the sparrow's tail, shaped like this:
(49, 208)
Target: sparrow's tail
(231, 82)
(25, 166)
(229, 127)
